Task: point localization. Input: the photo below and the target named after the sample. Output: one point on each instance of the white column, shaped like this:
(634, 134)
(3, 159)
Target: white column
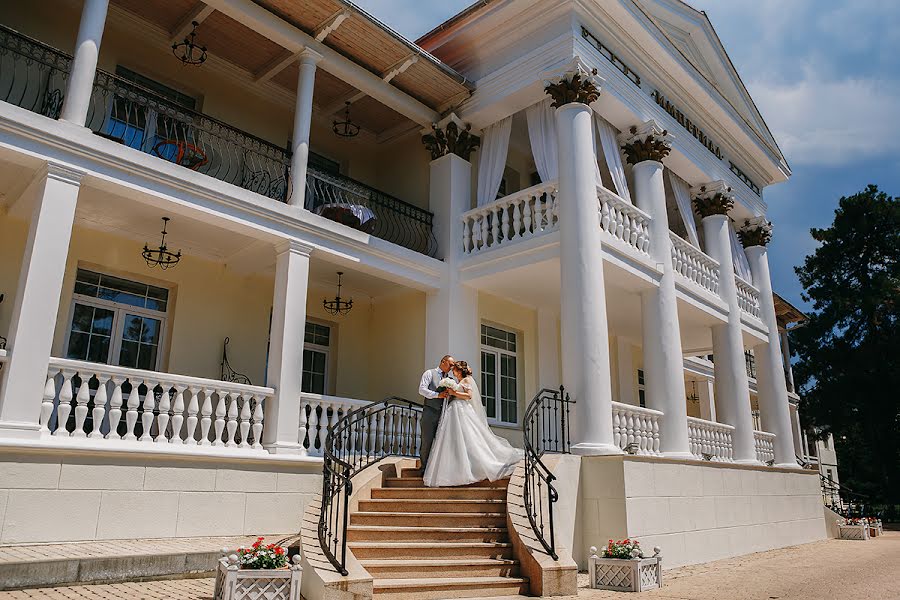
(772, 389)
(786, 360)
(84, 65)
(302, 117)
(732, 387)
(795, 430)
(627, 373)
(585, 334)
(54, 195)
(548, 349)
(663, 359)
(282, 412)
(706, 391)
(451, 312)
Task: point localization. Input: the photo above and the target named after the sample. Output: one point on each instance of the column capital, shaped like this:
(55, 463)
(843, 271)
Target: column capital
(647, 141)
(63, 173)
(573, 82)
(755, 232)
(713, 198)
(451, 136)
(294, 247)
(308, 56)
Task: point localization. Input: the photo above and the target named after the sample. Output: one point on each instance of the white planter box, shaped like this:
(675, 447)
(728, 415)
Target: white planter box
(234, 583)
(621, 575)
(854, 532)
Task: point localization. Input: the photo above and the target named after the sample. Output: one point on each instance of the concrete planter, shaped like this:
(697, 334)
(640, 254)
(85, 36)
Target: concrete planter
(854, 532)
(234, 583)
(625, 575)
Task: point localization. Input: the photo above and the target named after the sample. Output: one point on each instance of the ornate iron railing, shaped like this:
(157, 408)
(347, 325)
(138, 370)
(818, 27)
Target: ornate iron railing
(843, 500)
(546, 430)
(358, 440)
(32, 74)
(369, 210)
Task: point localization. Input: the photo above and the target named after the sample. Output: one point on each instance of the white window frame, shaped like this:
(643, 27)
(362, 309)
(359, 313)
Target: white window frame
(498, 352)
(326, 350)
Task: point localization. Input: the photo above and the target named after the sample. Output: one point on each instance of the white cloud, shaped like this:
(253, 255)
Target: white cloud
(818, 122)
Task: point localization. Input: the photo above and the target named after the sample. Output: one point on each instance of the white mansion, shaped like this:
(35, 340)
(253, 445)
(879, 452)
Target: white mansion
(587, 210)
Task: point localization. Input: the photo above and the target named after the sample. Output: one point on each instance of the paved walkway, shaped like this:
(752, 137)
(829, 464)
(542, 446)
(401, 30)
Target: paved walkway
(828, 569)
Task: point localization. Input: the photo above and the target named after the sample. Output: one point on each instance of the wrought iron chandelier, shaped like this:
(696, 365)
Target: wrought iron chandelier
(345, 128)
(338, 306)
(188, 51)
(694, 397)
(161, 256)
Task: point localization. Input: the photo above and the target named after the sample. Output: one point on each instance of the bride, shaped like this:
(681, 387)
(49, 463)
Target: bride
(465, 450)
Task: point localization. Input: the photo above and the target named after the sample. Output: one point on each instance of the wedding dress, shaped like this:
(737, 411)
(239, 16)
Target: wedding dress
(465, 450)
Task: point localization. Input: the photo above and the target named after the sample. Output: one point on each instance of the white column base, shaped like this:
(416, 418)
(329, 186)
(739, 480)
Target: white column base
(679, 455)
(749, 461)
(589, 449)
(793, 465)
(19, 431)
(285, 448)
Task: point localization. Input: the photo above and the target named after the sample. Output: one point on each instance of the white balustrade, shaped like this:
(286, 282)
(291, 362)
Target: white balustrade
(625, 223)
(83, 399)
(695, 266)
(748, 297)
(636, 427)
(318, 413)
(765, 446)
(710, 440)
(522, 215)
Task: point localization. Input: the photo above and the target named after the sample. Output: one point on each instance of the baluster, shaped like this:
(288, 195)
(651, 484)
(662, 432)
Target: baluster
(193, 409)
(65, 404)
(543, 215)
(516, 219)
(206, 417)
(49, 399)
(178, 414)
(333, 418)
(417, 446)
(115, 408)
(373, 434)
(99, 410)
(527, 215)
(629, 428)
(232, 424)
(504, 216)
(555, 208)
(81, 405)
(257, 427)
(302, 429)
(645, 247)
(163, 416)
(605, 218)
(313, 424)
(131, 412)
(655, 436)
(323, 425)
(467, 234)
(484, 230)
(626, 228)
(617, 428)
(620, 223)
(221, 411)
(147, 413)
(495, 227)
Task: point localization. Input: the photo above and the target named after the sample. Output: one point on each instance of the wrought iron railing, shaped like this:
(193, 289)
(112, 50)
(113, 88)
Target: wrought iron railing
(32, 74)
(370, 210)
(546, 430)
(358, 440)
(843, 500)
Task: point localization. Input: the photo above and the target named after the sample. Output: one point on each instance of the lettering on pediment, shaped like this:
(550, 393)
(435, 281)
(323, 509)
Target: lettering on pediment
(689, 125)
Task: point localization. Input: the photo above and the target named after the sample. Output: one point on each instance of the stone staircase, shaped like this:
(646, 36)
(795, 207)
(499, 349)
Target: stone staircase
(423, 543)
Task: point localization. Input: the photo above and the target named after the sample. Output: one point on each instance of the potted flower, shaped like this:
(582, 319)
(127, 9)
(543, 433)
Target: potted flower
(624, 568)
(260, 571)
(854, 529)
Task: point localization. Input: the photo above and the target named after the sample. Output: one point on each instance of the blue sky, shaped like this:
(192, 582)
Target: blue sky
(826, 76)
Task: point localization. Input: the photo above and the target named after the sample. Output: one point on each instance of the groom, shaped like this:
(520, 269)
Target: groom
(433, 405)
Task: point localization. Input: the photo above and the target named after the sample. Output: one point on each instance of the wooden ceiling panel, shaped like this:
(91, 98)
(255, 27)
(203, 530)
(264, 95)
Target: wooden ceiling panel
(367, 43)
(422, 82)
(236, 43)
(305, 14)
(330, 89)
(374, 116)
(167, 14)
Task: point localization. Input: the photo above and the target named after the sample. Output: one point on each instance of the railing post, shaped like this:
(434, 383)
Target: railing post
(54, 194)
(84, 66)
(302, 117)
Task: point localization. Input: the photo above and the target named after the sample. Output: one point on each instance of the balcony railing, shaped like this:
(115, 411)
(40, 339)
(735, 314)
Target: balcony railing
(636, 429)
(318, 414)
(33, 76)
(748, 297)
(710, 440)
(765, 446)
(519, 216)
(625, 224)
(695, 266)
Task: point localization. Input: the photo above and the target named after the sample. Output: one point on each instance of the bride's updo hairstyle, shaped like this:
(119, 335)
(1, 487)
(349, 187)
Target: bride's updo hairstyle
(463, 367)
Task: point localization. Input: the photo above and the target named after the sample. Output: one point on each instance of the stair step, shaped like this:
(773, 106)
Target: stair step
(395, 482)
(430, 550)
(417, 472)
(422, 519)
(470, 567)
(454, 493)
(426, 534)
(456, 587)
(431, 505)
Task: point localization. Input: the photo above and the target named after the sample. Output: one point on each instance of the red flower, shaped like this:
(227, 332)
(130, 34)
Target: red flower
(279, 551)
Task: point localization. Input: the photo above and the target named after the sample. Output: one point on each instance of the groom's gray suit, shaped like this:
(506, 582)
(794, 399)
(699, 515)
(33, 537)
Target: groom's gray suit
(431, 410)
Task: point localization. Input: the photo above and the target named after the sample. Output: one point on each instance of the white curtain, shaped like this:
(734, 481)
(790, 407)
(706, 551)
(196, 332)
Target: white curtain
(683, 198)
(738, 257)
(541, 118)
(613, 156)
(492, 159)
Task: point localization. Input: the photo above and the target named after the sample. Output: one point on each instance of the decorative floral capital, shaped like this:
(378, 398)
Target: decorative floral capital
(755, 232)
(647, 141)
(575, 82)
(450, 139)
(712, 199)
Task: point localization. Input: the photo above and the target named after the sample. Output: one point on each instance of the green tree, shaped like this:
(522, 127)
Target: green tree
(849, 350)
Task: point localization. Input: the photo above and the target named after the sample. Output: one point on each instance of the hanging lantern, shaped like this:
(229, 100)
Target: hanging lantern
(338, 306)
(345, 128)
(161, 257)
(188, 51)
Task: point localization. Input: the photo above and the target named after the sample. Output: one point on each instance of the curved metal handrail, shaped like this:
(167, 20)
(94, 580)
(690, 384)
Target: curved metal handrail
(361, 438)
(546, 429)
(838, 494)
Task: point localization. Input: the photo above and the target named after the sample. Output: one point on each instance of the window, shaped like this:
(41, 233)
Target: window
(316, 344)
(499, 380)
(642, 394)
(830, 474)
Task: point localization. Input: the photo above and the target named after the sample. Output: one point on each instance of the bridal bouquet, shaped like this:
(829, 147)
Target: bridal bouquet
(446, 384)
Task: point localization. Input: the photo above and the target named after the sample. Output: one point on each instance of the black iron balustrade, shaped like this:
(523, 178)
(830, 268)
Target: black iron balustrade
(358, 440)
(33, 75)
(370, 210)
(843, 500)
(546, 430)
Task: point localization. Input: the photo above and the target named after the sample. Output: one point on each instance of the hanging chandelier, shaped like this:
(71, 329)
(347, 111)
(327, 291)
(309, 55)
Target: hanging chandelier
(338, 306)
(161, 256)
(188, 51)
(345, 128)
(694, 397)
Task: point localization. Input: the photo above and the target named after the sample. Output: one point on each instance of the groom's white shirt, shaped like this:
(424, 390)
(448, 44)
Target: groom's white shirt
(429, 383)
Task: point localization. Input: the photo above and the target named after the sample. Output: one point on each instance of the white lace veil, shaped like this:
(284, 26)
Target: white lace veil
(477, 404)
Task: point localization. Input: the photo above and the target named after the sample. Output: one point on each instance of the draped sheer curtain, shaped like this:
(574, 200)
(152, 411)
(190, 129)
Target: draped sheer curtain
(738, 256)
(492, 159)
(682, 192)
(541, 119)
(613, 156)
